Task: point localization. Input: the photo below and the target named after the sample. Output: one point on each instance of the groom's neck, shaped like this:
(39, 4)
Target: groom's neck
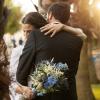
(53, 20)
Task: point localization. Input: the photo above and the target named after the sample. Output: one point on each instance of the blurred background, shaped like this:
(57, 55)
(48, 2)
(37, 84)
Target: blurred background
(85, 14)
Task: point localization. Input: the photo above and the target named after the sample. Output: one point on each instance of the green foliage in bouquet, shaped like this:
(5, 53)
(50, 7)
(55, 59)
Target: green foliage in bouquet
(48, 77)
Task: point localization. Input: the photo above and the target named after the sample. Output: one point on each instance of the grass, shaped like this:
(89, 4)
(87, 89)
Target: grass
(96, 91)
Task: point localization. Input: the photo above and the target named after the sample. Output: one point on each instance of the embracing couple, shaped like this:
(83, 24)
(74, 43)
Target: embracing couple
(64, 47)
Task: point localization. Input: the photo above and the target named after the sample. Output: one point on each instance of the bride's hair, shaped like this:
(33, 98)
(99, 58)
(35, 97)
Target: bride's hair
(35, 19)
(4, 75)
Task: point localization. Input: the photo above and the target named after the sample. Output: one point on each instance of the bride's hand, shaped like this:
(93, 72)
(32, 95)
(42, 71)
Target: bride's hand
(28, 93)
(52, 28)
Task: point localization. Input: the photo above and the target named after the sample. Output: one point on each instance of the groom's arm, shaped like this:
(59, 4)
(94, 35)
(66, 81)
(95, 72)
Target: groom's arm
(26, 60)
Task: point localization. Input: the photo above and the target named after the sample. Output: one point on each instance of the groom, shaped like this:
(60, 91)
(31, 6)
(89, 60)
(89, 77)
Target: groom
(64, 47)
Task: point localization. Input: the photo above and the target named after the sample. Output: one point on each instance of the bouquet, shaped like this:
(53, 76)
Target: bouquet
(48, 77)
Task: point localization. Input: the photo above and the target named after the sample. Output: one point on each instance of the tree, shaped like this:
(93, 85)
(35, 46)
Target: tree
(14, 17)
(1, 14)
(86, 73)
(83, 79)
(96, 19)
(3, 17)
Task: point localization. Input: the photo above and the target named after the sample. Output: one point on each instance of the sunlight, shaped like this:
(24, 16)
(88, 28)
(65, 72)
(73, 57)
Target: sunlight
(90, 2)
(98, 5)
(26, 5)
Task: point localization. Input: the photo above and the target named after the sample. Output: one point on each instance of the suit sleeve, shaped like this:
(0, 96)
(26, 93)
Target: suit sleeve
(26, 60)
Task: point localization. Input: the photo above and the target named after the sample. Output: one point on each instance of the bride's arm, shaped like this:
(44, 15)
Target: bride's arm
(76, 31)
(55, 27)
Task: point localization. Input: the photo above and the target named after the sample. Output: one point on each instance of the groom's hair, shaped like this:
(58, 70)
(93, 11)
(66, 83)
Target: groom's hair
(60, 11)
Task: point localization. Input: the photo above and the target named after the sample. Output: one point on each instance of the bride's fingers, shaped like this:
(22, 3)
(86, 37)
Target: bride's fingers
(53, 34)
(28, 95)
(49, 32)
(46, 29)
(43, 27)
(48, 25)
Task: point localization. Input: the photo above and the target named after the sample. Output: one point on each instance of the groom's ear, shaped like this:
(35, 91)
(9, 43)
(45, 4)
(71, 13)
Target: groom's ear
(49, 16)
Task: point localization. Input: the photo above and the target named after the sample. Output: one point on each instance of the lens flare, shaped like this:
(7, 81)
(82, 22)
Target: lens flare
(98, 5)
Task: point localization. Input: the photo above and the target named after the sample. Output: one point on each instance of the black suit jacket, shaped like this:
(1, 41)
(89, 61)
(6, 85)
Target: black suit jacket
(64, 47)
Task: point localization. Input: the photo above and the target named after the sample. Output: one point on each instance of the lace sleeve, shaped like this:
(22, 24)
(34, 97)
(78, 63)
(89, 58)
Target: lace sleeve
(4, 75)
(3, 54)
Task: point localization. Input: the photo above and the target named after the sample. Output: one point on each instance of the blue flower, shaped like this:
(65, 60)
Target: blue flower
(51, 81)
(62, 66)
(40, 94)
(33, 90)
